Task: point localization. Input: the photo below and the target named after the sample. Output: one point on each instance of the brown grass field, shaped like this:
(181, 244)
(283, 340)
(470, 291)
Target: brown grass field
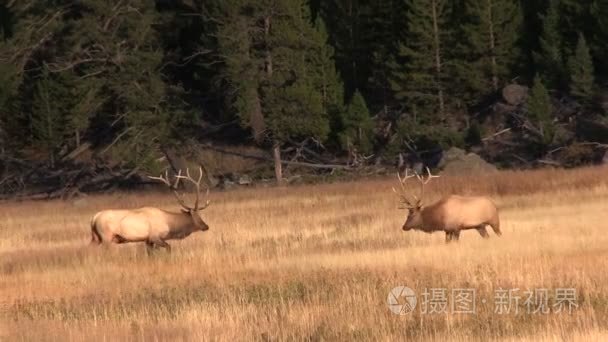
(313, 263)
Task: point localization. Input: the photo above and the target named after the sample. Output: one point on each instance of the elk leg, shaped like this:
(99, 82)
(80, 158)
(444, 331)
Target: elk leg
(95, 238)
(496, 227)
(163, 244)
(456, 235)
(483, 232)
(150, 247)
(448, 237)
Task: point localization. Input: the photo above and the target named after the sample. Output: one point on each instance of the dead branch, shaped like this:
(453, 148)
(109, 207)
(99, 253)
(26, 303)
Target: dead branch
(116, 139)
(548, 162)
(501, 132)
(77, 151)
(54, 68)
(521, 159)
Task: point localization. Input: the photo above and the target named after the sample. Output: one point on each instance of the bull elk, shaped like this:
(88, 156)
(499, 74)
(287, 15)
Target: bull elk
(450, 214)
(153, 226)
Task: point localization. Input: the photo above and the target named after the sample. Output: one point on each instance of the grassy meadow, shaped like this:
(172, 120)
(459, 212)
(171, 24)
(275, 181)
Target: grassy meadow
(313, 263)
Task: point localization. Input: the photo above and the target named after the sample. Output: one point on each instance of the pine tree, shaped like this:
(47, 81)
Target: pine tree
(277, 65)
(598, 35)
(418, 74)
(357, 126)
(242, 64)
(550, 60)
(47, 115)
(540, 111)
(9, 83)
(105, 58)
(491, 33)
(126, 75)
(9, 94)
(347, 22)
(25, 29)
(575, 18)
(382, 34)
(89, 100)
(293, 103)
(327, 78)
(581, 72)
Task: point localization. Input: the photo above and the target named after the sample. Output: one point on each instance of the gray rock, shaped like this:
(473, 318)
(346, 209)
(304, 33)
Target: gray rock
(451, 155)
(212, 181)
(418, 167)
(244, 180)
(603, 100)
(515, 94)
(227, 184)
(456, 161)
(80, 202)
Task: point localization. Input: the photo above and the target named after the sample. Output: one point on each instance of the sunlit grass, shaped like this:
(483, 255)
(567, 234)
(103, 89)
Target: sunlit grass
(309, 263)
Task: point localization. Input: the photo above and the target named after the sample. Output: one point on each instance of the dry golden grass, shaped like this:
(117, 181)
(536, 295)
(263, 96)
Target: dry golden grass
(310, 263)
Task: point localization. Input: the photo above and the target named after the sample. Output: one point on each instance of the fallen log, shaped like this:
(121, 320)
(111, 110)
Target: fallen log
(45, 184)
(284, 162)
(78, 151)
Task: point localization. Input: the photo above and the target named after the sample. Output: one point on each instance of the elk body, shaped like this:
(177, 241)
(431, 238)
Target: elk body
(450, 214)
(153, 226)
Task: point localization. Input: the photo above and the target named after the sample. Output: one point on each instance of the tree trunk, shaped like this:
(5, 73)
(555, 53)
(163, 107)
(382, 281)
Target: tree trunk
(437, 47)
(256, 119)
(278, 168)
(268, 54)
(492, 47)
(276, 148)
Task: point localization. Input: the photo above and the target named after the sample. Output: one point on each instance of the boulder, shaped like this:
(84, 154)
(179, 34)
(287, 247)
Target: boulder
(515, 94)
(226, 184)
(453, 154)
(592, 129)
(245, 180)
(603, 100)
(456, 161)
(80, 202)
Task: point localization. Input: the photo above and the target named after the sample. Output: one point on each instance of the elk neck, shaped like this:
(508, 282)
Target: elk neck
(181, 223)
(430, 219)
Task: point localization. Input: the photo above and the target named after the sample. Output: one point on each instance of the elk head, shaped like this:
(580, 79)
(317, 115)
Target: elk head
(192, 211)
(415, 206)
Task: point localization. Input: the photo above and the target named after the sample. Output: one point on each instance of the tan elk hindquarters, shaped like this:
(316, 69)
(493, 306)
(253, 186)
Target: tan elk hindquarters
(151, 225)
(450, 214)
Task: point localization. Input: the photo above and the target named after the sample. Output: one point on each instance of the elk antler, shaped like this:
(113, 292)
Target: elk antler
(403, 195)
(423, 182)
(197, 184)
(173, 187)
